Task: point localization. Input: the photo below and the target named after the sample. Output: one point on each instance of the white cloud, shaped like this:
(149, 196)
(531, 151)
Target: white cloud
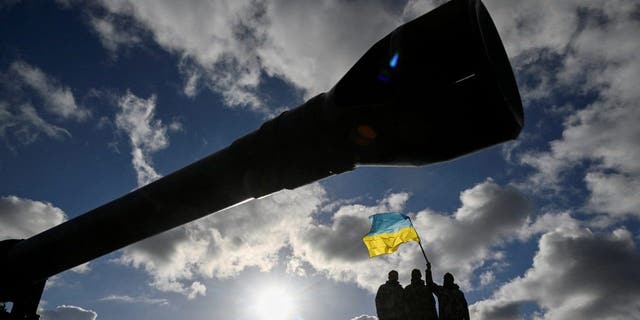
(548, 222)
(146, 134)
(365, 317)
(604, 137)
(21, 218)
(207, 33)
(487, 278)
(58, 99)
(20, 120)
(196, 289)
(65, 312)
(138, 299)
(535, 24)
(605, 133)
(416, 8)
(576, 274)
(193, 77)
(24, 124)
(82, 268)
(176, 125)
(114, 34)
(615, 194)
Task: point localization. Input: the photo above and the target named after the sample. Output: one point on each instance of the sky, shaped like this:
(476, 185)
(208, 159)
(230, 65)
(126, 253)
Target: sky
(98, 98)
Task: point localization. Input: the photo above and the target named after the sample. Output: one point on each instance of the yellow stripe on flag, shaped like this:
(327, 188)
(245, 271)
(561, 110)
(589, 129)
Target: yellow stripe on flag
(389, 242)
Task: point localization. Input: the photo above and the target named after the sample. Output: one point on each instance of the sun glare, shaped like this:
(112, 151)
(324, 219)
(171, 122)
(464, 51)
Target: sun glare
(274, 303)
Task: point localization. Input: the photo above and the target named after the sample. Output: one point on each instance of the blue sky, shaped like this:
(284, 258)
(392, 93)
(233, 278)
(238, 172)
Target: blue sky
(99, 98)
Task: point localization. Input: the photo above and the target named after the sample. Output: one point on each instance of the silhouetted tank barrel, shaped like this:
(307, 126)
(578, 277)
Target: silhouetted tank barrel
(436, 88)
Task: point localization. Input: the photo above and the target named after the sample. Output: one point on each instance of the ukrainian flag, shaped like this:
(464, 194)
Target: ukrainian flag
(388, 232)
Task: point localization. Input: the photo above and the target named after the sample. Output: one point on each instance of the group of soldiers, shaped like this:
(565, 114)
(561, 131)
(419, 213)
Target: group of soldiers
(416, 300)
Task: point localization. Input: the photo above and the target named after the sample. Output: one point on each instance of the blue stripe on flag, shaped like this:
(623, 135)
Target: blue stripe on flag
(382, 223)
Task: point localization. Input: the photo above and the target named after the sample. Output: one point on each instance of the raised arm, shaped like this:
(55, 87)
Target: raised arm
(434, 287)
(427, 274)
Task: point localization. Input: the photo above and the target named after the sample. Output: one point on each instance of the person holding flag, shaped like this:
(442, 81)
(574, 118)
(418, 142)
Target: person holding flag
(452, 305)
(388, 232)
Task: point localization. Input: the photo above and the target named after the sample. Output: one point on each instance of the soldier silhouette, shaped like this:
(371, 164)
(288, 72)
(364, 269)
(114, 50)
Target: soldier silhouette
(452, 304)
(419, 299)
(390, 299)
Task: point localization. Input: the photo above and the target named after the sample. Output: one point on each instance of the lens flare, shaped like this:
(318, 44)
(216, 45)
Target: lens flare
(394, 60)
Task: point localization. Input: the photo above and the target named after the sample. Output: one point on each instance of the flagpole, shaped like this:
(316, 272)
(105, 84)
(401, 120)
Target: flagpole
(419, 242)
(421, 248)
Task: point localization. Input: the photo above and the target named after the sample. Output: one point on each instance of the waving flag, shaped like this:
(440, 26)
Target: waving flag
(388, 232)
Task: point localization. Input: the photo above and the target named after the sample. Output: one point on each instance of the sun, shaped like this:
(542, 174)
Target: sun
(274, 302)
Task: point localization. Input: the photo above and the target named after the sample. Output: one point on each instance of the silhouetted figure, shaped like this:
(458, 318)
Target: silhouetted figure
(390, 299)
(419, 300)
(452, 304)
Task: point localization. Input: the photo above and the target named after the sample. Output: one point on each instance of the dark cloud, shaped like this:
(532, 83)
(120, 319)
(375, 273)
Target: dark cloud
(498, 311)
(342, 240)
(576, 274)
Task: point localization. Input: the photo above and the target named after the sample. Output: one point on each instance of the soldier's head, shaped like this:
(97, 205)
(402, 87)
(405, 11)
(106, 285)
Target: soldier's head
(393, 275)
(448, 279)
(415, 274)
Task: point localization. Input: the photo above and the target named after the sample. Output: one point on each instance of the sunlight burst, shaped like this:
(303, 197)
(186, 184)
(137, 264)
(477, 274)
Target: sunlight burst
(274, 303)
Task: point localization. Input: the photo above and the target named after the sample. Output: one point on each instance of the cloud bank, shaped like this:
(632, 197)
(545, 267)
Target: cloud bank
(576, 274)
(290, 228)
